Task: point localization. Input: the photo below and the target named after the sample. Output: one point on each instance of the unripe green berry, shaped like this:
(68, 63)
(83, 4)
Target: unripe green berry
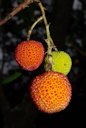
(61, 62)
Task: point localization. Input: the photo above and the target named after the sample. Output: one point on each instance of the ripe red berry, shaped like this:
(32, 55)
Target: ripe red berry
(51, 92)
(29, 54)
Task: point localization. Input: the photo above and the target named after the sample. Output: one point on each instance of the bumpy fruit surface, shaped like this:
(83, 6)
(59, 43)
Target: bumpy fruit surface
(51, 92)
(61, 62)
(29, 54)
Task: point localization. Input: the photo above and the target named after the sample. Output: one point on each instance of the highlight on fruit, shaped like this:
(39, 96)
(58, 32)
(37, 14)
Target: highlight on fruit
(61, 62)
(51, 92)
(29, 54)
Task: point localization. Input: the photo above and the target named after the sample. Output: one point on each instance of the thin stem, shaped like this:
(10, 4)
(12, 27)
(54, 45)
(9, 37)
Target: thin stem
(45, 21)
(32, 27)
(49, 40)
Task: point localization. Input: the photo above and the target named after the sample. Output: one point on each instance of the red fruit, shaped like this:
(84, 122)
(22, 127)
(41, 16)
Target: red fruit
(29, 54)
(51, 92)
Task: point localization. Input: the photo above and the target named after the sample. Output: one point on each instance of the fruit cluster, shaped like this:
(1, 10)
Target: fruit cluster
(51, 91)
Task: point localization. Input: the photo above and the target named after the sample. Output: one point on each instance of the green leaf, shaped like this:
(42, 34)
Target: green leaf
(11, 78)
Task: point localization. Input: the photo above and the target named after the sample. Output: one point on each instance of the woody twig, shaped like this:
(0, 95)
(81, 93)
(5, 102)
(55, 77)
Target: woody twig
(16, 10)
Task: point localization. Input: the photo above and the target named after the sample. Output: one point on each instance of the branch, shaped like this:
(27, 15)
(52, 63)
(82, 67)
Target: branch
(16, 10)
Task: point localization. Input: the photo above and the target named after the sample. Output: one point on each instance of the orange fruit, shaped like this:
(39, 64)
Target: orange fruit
(29, 54)
(51, 92)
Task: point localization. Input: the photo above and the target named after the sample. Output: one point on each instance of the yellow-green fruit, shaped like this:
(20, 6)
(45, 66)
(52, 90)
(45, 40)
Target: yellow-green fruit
(61, 62)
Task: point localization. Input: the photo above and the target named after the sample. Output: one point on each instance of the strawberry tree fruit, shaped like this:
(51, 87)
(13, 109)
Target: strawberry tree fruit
(29, 54)
(61, 62)
(51, 92)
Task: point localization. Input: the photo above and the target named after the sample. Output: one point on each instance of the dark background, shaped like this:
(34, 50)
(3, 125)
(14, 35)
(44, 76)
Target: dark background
(68, 30)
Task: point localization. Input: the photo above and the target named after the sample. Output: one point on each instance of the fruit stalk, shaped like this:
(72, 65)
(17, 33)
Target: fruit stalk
(32, 27)
(45, 22)
(49, 40)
